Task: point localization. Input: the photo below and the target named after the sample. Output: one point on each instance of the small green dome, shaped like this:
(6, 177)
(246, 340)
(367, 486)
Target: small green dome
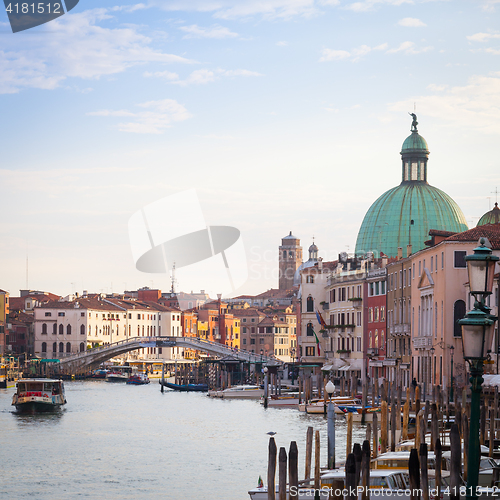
(491, 217)
(415, 143)
(404, 215)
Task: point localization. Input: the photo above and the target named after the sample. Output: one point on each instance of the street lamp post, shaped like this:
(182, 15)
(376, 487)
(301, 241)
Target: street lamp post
(452, 350)
(477, 337)
(266, 386)
(432, 362)
(330, 388)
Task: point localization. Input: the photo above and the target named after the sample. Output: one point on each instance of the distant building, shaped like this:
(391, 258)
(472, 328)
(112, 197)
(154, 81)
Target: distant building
(62, 328)
(290, 258)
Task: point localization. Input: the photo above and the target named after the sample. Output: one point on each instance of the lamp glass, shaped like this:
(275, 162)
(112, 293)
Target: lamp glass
(477, 340)
(330, 388)
(481, 274)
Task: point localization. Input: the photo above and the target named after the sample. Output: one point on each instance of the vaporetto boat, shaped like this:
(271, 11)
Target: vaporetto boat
(39, 395)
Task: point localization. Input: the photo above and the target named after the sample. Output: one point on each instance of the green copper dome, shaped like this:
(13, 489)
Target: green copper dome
(404, 215)
(491, 217)
(414, 143)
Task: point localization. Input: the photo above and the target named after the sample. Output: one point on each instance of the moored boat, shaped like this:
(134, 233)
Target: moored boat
(239, 392)
(186, 387)
(39, 395)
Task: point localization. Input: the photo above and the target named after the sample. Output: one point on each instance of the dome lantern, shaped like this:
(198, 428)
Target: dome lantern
(414, 155)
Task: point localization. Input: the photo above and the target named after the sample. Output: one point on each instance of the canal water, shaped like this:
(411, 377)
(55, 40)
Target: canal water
(117, 441)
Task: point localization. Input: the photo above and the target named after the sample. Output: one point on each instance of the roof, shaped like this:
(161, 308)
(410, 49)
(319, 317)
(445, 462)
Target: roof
(404, 216)
(414, 143)
(275, 293)
(490, 231)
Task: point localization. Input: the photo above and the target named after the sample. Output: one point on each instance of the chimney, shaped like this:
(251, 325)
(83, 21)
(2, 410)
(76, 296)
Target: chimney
(400, 253)
(320, 263)
(408, 250)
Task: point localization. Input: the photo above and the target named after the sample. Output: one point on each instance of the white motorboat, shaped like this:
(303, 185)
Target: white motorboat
(39, 395)
(239, 391)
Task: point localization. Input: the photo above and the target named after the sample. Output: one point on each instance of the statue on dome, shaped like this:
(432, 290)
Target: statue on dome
(414, 123)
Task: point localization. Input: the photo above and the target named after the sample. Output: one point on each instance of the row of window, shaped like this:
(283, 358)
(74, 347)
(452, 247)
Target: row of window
(373, 339)
(344, 293)
(115, 316)
(376, 288)
(61, 329)
(399, 280)
(61, 347)
(374, 316)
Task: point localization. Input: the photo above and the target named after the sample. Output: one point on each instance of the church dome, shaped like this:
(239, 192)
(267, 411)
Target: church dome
(413, 143)
(491, 217)
(404, 215)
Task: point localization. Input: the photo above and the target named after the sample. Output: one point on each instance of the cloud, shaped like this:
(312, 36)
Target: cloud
(371, 4)
(355, 54)
(158, 116)
(483, 37)
(76, 48)
(411, 22)
(475, 104)
(282, 43)
(409, 48)
(215, 31)
(201, 76)
(232, 9)
(162, 74)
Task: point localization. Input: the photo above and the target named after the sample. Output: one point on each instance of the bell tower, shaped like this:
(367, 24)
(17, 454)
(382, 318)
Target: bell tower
(290, 258)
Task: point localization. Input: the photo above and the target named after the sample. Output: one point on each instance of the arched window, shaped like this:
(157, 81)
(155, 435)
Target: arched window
(54, 347)
(44, 329)
(310, 331)
(61, 347)
(310, 279)
(82, 347)
(68, 347)
(54, 329)
(61, 329)
(68, 330)
(82, 329)
(44, 346)
(458, 313)
(310, 304)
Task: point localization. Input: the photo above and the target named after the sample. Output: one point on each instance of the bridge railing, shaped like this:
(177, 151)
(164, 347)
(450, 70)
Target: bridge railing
(202, 343)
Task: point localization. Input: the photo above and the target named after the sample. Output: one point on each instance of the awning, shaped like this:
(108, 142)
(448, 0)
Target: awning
(356, 364)
(337, 363)
(326, 368)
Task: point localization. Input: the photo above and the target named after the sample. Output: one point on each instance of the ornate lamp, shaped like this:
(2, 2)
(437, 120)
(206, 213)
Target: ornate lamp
(477, 337)
(481, 268)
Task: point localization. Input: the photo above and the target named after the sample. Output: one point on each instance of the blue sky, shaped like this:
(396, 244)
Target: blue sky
(282, 114)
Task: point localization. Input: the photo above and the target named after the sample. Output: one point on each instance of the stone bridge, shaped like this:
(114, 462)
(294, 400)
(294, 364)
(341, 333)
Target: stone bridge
(83, 361)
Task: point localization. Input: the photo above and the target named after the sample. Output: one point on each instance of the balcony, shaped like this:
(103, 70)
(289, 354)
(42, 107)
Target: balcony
(372, 351)
(344, 353)
(422, 342)
(357, 302)
(325, 305)
(402, 329)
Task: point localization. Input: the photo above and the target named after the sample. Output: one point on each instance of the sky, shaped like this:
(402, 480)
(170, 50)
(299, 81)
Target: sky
(282, 115)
